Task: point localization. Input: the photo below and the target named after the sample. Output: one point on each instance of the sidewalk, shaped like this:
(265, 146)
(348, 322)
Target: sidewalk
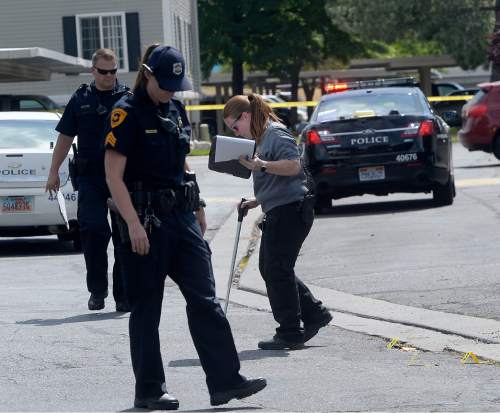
(421, 328)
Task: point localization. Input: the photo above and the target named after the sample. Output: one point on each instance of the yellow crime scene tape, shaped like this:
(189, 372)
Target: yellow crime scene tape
(314, 103)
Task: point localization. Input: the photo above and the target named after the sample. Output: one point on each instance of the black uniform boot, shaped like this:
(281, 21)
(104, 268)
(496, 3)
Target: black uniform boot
(96, 302)
(242, 390)
(311, 329)
(280, 343)
(163, 402)
(122, 307)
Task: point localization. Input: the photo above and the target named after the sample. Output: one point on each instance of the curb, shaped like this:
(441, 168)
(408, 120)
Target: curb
(426, 329)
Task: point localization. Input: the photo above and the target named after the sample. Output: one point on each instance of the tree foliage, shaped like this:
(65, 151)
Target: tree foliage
(223, 26)
(281, 36)
(456, 27)
(300, 35)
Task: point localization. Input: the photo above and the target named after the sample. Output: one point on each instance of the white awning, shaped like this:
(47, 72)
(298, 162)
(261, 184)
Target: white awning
(37, 63)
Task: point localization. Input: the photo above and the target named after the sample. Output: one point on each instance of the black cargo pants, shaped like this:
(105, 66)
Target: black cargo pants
(284, 230)
(177, 248)
(95, 234)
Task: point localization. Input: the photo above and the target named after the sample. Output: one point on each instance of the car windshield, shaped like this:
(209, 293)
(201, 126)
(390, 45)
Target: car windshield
(25, 133)
(369, 104)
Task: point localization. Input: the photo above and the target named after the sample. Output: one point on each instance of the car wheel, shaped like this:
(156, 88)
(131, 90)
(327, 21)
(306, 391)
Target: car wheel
(444, 194)
(77, 242)
(323, 204)
(496, 147)
(72, 236)
(65, 237)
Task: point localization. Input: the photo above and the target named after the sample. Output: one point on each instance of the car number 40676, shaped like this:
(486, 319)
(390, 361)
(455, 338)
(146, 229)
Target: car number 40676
(406, 157)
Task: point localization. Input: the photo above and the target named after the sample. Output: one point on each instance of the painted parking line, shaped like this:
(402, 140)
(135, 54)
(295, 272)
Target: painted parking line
(464, 183)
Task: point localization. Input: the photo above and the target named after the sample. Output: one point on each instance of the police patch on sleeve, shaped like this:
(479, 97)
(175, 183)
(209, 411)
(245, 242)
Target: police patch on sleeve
(117, 117)
(110, 139)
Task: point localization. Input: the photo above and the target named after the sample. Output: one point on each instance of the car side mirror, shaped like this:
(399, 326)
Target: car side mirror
(451, 117)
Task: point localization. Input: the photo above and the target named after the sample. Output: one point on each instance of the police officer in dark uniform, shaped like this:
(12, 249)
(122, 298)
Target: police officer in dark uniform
(85, 116)
(145, 171)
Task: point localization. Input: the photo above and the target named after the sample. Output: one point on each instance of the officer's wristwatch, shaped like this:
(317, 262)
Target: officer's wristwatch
(263, 168)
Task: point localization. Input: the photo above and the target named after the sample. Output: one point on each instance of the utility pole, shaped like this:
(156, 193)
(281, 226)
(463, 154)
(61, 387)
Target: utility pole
(494, 49)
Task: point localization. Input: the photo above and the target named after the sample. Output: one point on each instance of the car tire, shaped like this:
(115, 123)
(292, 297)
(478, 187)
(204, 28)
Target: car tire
(65, 237)
(77, 242)
(73, 237)
(323, 204)
(496, 147)
(444, 194)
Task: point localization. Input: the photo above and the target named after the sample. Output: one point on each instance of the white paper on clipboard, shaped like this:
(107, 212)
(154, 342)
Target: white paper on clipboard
(62, 208)
(229, 148)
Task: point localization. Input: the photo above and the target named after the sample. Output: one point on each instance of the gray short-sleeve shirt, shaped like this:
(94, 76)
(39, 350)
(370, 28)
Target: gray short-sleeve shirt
(275, 190)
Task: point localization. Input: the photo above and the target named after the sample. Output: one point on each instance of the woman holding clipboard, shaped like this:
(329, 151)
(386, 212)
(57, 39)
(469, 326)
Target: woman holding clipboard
(280, 187)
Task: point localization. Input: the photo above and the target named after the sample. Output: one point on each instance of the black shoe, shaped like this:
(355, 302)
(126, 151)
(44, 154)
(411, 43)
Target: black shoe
(311, 329)
(163, 402)
(122, 307)
(96, 302)
(242, 390)
(278, 343)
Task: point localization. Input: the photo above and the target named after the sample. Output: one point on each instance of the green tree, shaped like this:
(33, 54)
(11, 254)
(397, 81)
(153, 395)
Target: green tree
(494, 47)
(299, 34)
(222, 25)
(459, 28)
(281, 36)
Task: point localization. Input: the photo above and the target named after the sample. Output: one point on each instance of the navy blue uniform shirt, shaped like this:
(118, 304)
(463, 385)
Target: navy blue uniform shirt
(81, 117)
(155, 155)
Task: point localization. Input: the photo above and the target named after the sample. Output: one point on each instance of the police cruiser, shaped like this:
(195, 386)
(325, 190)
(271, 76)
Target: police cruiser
(27, 140)
(370, 137)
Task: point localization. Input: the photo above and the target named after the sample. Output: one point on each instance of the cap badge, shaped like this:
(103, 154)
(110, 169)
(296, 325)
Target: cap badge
(177, 68)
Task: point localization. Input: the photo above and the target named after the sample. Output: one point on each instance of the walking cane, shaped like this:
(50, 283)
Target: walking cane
(241, 214)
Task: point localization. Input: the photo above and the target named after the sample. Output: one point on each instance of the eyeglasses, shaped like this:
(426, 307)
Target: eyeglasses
(105, 72)
(233, 126)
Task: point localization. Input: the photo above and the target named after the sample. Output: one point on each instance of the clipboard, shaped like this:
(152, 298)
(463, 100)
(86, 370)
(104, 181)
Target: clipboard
(225, 152)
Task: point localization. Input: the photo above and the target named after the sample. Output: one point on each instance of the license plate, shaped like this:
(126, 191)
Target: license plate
(372, 173)
(17, 204)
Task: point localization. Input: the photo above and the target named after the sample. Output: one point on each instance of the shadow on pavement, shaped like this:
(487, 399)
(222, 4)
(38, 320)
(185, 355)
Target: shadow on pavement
(244, 356)
(81, 318)
(226, 409)
(28, 246)
(377, 208)
(213, 409)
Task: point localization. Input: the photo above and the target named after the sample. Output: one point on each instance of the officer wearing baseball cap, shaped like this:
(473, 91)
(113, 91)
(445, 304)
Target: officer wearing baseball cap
(162, 222)
(167, 65)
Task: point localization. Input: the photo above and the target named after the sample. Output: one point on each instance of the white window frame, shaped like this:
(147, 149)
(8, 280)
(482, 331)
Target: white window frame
(182, 40)
(78, 17)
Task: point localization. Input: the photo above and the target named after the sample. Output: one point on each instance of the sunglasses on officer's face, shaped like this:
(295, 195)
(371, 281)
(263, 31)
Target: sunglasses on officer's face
(105, 71)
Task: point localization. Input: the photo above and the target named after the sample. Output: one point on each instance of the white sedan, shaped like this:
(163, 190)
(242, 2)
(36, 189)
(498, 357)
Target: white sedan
(27, 140)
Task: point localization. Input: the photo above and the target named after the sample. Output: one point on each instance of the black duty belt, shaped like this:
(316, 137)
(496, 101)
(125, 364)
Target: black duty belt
(161, 202)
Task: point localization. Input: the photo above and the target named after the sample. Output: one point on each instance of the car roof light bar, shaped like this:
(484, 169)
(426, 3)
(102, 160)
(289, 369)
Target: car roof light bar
(374, 83)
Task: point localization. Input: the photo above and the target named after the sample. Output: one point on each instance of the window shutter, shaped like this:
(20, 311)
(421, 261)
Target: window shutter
(133, 40)
(69, 35)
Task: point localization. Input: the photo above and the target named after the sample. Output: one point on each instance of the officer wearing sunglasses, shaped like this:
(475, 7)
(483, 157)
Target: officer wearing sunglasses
(146, 145)
(85, 116)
